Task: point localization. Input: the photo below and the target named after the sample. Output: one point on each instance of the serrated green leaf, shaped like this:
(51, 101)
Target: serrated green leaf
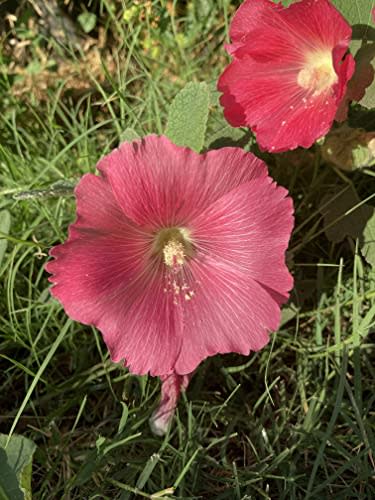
(15, 467)
(188, 114)
(87, 20)
(368, 243)
(355, 11)
(129, 135)
(4, 228)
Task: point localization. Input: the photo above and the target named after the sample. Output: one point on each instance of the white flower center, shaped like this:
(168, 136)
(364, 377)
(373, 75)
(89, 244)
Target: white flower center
(318, 73)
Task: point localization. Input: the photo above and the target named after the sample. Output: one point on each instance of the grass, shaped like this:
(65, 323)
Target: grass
(295, 420)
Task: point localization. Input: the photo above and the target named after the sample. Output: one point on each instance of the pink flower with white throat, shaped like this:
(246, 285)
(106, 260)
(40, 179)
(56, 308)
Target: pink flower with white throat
(289, 71)
(176, 256)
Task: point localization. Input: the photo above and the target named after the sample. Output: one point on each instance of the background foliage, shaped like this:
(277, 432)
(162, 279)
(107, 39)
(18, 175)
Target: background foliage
(295, 420)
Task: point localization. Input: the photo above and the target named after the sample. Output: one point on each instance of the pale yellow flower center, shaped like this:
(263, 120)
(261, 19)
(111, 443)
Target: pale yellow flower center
(318, 73)
(174, 253)
(173, 245)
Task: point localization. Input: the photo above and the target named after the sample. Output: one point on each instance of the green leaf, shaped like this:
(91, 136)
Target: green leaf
(124, 417)
(4, 228)
(369, 100)
(355, 11)
(285, 3)
(368, 244)
(9, 487)
(87, 20)
(228, 136)
(91, 463)
(344, 215)
(188, 114)
(202, 8)
(341, 218)
(148, 470)
(15, 467)
(288, 313)
(363, 79)
(129, 135)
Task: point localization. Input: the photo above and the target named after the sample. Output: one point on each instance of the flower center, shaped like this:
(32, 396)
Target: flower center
(318, 73)
(174, 246)
(174, 253)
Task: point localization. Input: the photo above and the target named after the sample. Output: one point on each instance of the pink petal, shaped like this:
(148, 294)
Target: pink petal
(282, 114)
(228, 313)
(159, 184)
(239, 278)
(260, 87)
(268, 27)
(249, 16)
(104, 276)
(171, 388)
(248, 230)
(227, 294)
(317, 23)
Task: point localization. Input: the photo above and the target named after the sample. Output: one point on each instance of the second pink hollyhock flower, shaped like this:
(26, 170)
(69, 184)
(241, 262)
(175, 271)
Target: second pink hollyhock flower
(289, 71)
(175, 257)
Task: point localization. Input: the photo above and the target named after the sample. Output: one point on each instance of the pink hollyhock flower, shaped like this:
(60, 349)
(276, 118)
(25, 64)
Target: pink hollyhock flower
(175, 257)
(289, 71)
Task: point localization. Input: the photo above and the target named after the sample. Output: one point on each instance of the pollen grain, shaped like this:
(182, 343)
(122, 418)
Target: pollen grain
(174, 254)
